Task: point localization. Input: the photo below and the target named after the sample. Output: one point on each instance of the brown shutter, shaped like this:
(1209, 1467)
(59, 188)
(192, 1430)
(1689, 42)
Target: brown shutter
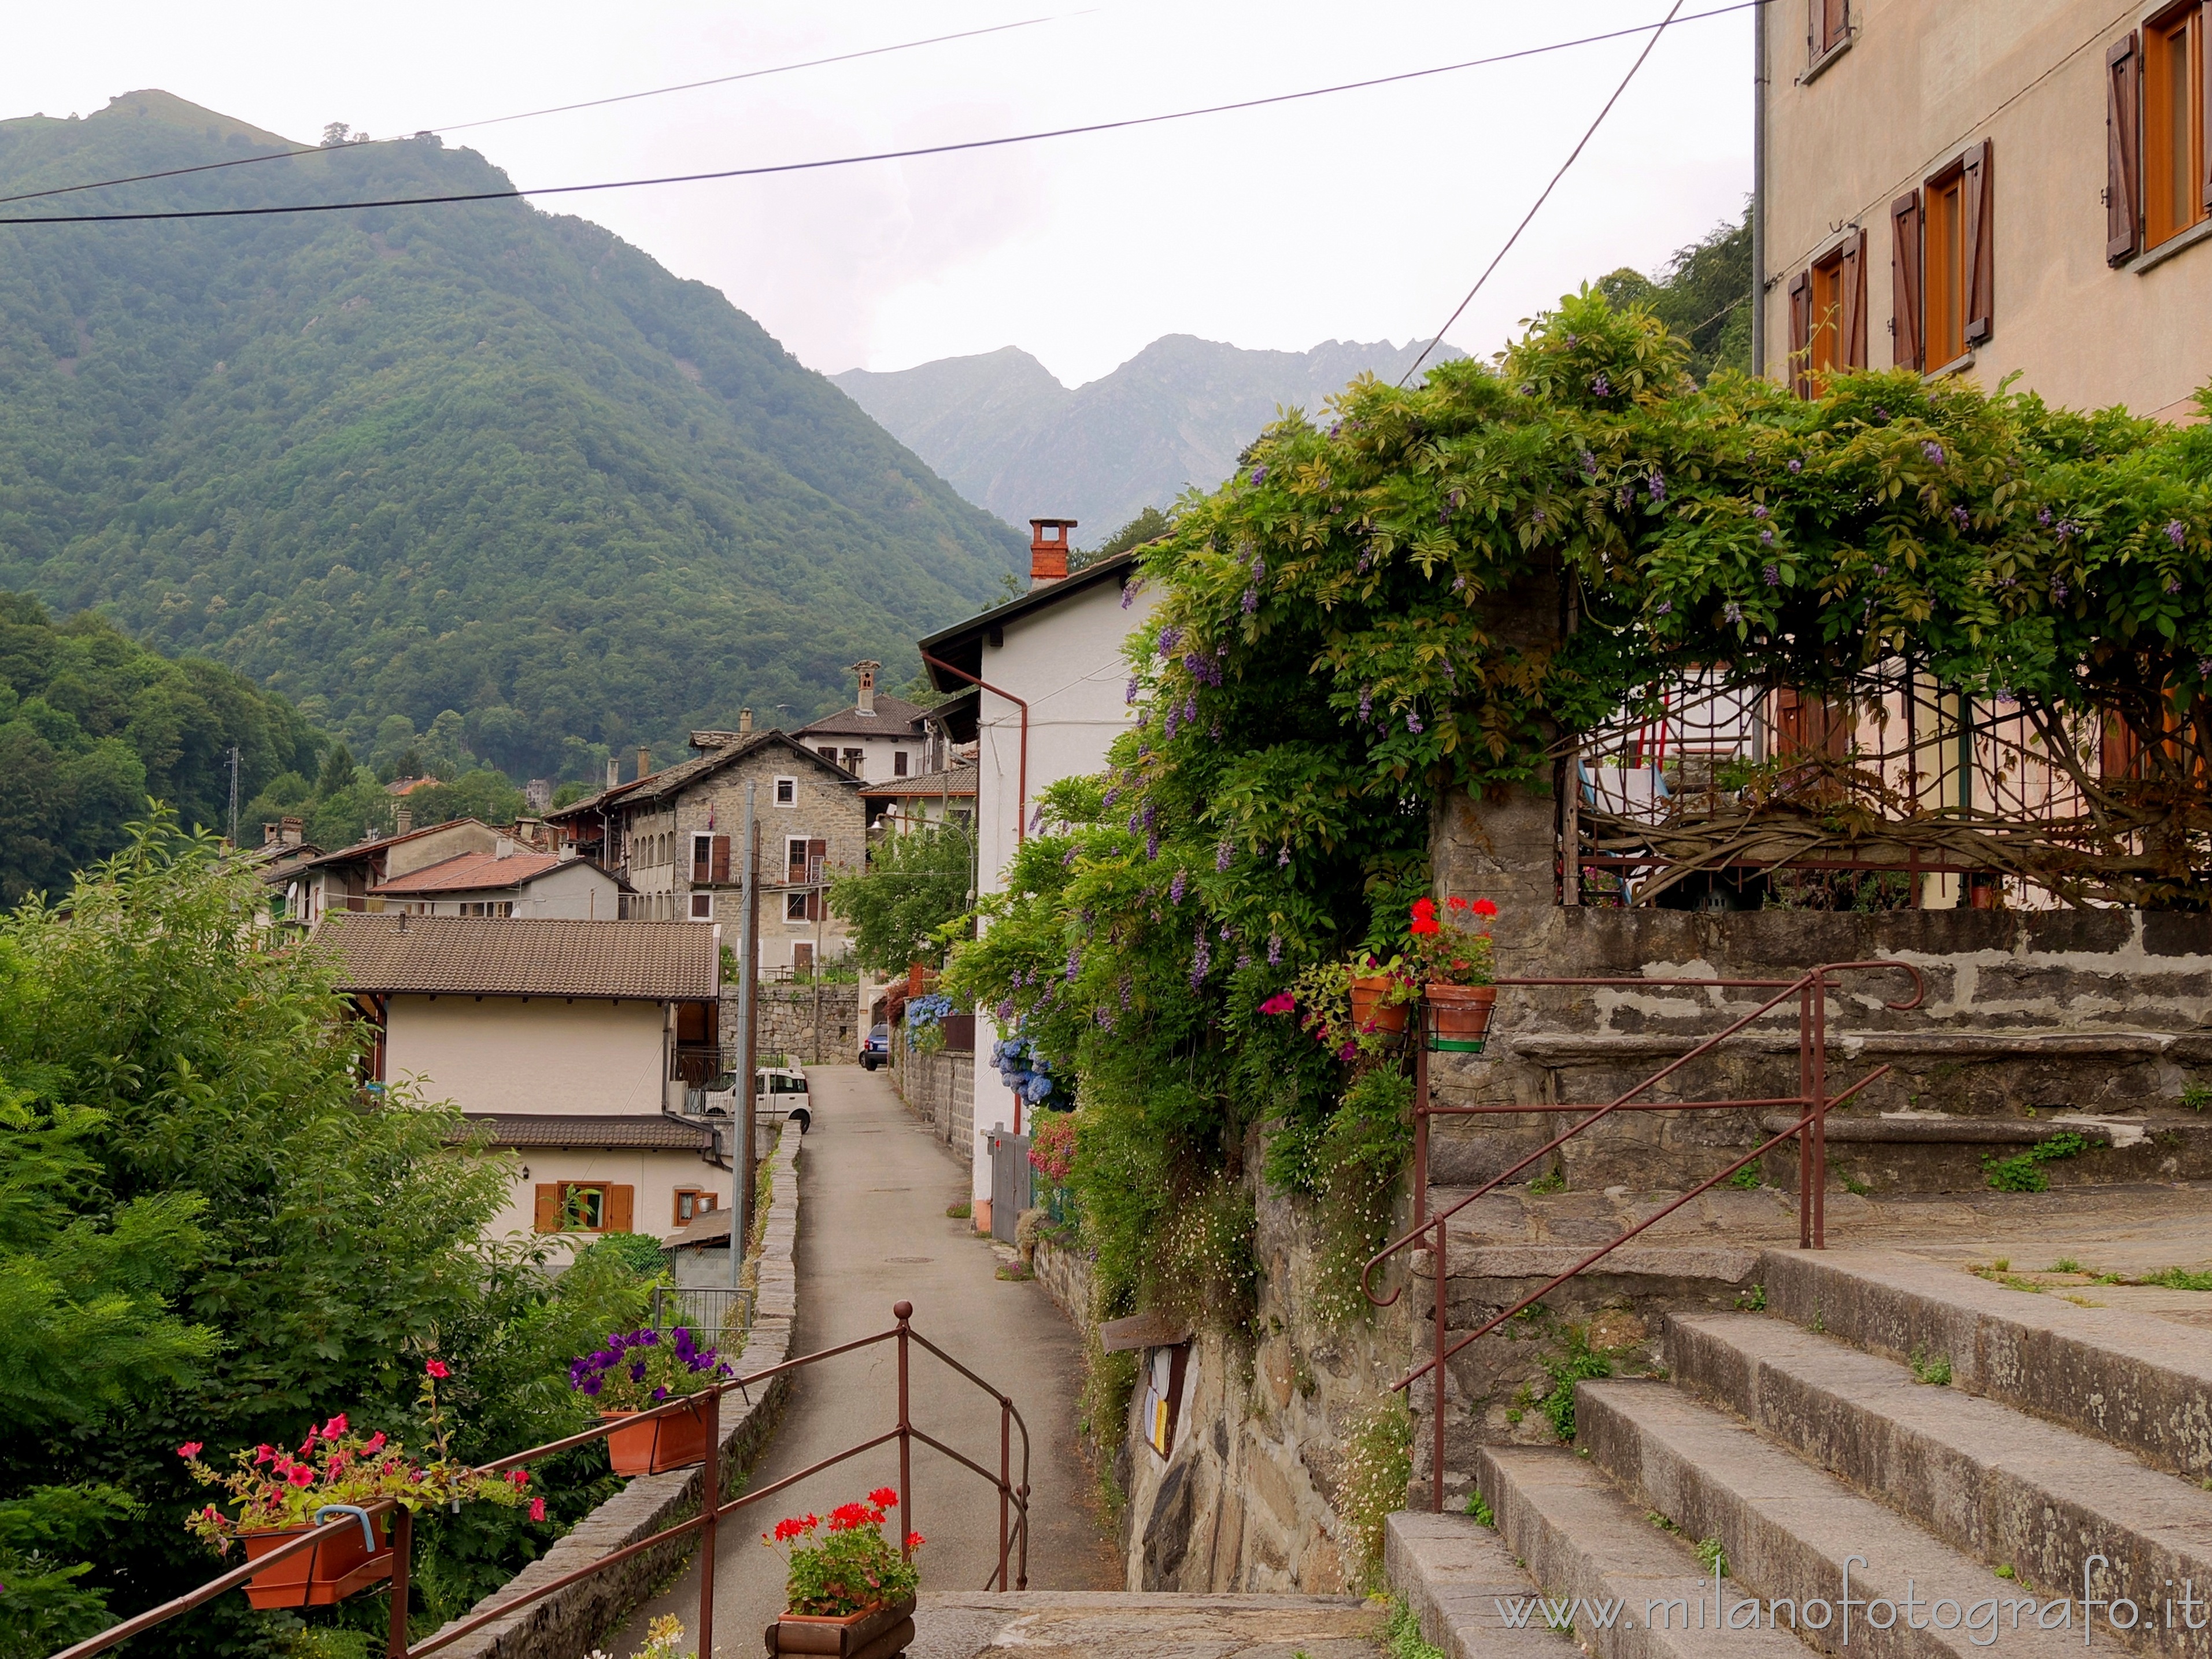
(549, 1207)
(620, 1210)
(1977, 193)
(1801, 333)
(1907, 320)
(700, 855)
(2123, 148)
(813, 905)
(1835, 23)
(2204, 42)
(817, 851)
(718, 863)
(1851, 352)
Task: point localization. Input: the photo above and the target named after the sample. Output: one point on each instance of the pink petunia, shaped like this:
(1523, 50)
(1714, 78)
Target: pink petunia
(1281, 1003)
(536, 1508)
(190, 1449)
(437, 1367)
(300, 1476)
(335, 1428)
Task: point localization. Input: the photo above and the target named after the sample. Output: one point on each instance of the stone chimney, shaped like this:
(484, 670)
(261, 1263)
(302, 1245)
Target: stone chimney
(744, 722)
(1049, 550)
(272, 834)
(614, 771)
(644, 760)
(503, 847)
(865, 701)
(402, 820)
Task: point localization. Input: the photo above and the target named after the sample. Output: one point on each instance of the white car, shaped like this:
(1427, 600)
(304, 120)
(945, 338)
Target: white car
(781, 1096)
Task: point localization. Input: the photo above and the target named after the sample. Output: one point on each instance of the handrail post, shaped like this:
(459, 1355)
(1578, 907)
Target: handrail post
(710, 1506)
(902, 1311)
(1022, 1569)
(1805, 1098)
(402, 1556)
(1421, 1114)
(1436, 1455)
(1005, 1478)
(1819, 1104)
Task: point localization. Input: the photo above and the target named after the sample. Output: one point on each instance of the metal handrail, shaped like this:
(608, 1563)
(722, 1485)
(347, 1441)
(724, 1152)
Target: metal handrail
(1811, 988)
(1013, 1505)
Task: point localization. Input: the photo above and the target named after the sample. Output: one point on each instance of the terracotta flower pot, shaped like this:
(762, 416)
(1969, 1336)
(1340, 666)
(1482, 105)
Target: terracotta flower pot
(654, 1445)
(341, 1566)
(879, 1633)
(1459, 1016)
(1368, 1012)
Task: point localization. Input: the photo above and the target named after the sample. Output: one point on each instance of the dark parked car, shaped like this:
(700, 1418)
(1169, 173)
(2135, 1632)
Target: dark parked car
(875, 1047)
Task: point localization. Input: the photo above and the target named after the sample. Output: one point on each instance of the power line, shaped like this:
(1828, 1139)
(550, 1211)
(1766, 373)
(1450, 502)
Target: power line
(530, 114)
(1656, 31)
(919, 151)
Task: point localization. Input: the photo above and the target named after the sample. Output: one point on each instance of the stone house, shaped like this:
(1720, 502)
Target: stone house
(880, 739)
(673, 835)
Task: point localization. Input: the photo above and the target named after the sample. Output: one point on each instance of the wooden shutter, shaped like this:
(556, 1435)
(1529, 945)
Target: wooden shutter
(817, 850)
(1851, 348)
(1977, 196)
(1833, 23)
(1907, 325)
(702, 854)
(718, 865)
(2123, 148)
(813, 904)
(1801, 333)
(619, 1213)
(2202, 32)
(549, 1207)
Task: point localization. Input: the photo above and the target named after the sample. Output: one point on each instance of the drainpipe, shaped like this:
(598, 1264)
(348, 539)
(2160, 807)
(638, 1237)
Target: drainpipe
(1022, 786)
(741, 1208)
(1758, 192)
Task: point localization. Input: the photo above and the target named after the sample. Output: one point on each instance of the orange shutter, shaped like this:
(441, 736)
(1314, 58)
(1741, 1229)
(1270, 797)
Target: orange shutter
(718, 863)
(620, 1210)
(1908, 346)
(549, 1207)
(2123, 148)
(1852, 348)
(1801, 333)
(1977, 195)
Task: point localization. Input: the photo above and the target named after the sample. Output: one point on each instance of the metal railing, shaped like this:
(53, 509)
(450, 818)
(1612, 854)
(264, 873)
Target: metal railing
(1013, 1506)
(725, 1310)
(1812, 1100)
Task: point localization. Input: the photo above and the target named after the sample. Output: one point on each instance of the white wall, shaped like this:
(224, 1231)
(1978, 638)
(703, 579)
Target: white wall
(655, 1174)
(1066, 661)
(539, 1055)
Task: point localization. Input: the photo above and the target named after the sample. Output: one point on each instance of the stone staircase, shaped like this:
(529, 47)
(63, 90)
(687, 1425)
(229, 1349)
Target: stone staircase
(1935, 1434)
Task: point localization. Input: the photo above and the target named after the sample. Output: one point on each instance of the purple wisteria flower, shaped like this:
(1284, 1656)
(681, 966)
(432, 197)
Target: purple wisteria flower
(1733, 611)
(1201, 959)
(1250, 602)
(2058, 588)
(1275, 949)
(1004, 1010)
(1152, 845)
(1771, 575)
(1796, 466)
(1933, 451)
(1412, 721)
(2173, 584)
(1961, 517)
(1243, 960)
(1758, 510)
(1067, 859)
(1881, 570)
(1656, 485)
(1175, 889)
(1665, 606)
(1283, 857)
(1130, 696)
(1110, 797)
(1259, 567)
(2204, 668)
(2176, 531)
(1587, 464)
(1074, 966)
(1173, 716)
(1459, 584)
(1151, 815)
(1259, 475)
(1766, 537)
(2044, 517)
(1170, 637)
(1221, 851)
(1190, 711)
(1366, 704)
(1601, 386)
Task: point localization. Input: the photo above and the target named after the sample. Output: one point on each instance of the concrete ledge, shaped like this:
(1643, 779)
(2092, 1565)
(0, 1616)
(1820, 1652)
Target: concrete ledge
(570, 1620)
(1452, 1571)
(1727, 1265)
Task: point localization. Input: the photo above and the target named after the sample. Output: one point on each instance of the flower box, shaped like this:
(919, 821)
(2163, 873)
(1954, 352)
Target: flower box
(879, 1633)
(1368, 1011)
(654, 1445)
(1459, 1016)
(340, 1566)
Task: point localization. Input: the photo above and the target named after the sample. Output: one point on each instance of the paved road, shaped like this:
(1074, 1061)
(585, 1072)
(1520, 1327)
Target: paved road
(873, 1190)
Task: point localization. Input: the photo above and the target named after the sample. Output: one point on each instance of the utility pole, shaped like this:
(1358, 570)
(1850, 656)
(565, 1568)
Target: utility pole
(234, 795)
(748, 971)
(1758, 192)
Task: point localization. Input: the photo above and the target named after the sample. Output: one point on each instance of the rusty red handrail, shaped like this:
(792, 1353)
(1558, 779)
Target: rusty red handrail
(1811, 988)
(1013, 1505)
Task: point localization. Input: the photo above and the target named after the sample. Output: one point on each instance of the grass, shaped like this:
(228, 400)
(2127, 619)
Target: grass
(1752, 1300)
(1747, 1179)
(1551, 1181)
(1478, 1507)
(2179, 1278)
(2065, 1264)
(1854, 1187)
(2023, 1172)
(1402, 1637)
(1712, 1557)
(1934, 1370)
(2196, 1096)
(959, 1212)
(1660, 1521)
(1579, 1363)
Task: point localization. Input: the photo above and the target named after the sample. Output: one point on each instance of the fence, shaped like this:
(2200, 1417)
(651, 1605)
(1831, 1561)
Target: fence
(1013, 1505)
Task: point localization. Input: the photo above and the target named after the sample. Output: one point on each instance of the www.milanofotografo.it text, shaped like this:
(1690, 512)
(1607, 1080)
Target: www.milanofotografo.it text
(1986, 1620)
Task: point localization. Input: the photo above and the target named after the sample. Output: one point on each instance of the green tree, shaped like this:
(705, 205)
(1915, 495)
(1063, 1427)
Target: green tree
(1148, 525)
(915, 885)
(1703, 296)
(338, 774)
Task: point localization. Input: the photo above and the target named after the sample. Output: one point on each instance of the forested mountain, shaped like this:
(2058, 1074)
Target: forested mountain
(92, 723)
(1011, 437)
(473, 458)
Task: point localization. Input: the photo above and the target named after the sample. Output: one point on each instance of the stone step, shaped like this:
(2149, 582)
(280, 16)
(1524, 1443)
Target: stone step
(1790, 1532)
(1629, 1589)
(1114, 1625)
(2003, 1487)
(2136, 1380)
(1455, 1573)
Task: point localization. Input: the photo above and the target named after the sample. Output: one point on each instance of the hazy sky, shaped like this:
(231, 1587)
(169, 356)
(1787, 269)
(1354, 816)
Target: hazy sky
(1357, 216)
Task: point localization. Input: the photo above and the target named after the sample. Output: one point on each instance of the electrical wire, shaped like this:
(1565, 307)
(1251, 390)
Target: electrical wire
(1656, 31)
(530, 114)
(512, 194)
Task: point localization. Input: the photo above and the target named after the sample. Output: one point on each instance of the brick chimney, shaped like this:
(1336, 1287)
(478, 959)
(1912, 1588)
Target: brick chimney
(644, 760)
(291, 831)
(1049, 550)
(866, 699)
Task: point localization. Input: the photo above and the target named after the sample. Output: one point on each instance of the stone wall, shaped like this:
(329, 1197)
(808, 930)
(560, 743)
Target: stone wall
(815, 1022)
(567, 1623)
(939, 1088)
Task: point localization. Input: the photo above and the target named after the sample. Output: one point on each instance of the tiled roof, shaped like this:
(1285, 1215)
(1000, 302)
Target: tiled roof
(958, 780)
(608, 1129)
(894, 717)
(361, 849)
(669, 780)
(472, 871)
(522, 955)
(707, 1227)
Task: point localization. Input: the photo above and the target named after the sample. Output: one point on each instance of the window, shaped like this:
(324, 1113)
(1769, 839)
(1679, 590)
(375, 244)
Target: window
(794, 907)
(1827, 316)
(488, 907)
(703, 907)
(1828, 26)
(710, 859)
(2175, 183)
(829, 754)
(584, 1206)
(1943, 264)
(794, 858)
(898, 763)
(786, 792)
(853, 759)
(691, 1202)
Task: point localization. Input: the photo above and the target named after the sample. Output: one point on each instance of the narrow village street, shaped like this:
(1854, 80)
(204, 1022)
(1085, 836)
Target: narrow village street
(874, 1187)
